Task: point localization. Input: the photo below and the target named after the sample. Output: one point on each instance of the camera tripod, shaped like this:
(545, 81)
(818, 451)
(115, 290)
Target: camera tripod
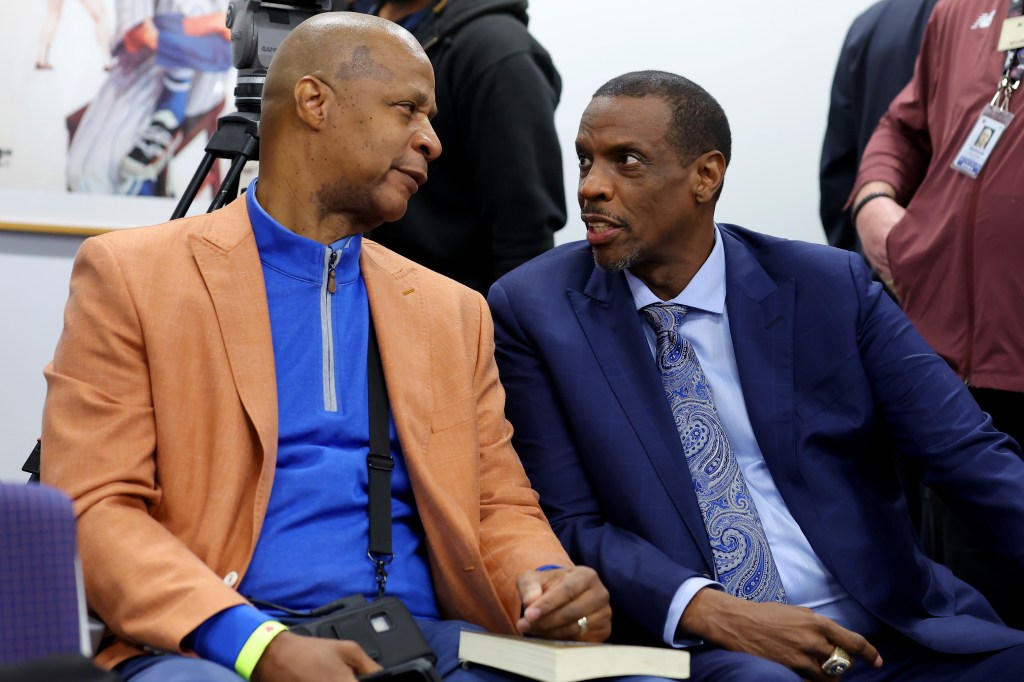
(237, 138)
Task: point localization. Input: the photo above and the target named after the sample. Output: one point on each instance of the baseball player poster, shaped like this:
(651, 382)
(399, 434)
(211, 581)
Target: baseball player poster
(108, 105)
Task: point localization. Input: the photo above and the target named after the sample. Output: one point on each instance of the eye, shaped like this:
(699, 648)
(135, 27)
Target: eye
(410, 107)
(585, 163)
(629, 159)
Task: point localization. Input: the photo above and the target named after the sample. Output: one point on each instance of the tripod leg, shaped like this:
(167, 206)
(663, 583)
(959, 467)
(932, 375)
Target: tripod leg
(229, 187)
(193, 186)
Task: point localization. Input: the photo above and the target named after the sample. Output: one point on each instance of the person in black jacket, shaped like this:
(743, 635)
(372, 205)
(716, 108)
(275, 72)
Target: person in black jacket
(495, 196)
(876, 61)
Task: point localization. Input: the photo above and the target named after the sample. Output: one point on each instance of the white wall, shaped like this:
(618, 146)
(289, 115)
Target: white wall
(769, 64)
(34, 271)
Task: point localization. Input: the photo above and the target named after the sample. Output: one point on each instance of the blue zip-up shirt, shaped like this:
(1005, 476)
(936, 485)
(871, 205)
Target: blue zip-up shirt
(312, 547)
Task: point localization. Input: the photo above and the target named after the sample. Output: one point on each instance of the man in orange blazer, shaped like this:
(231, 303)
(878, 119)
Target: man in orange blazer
(207, 408)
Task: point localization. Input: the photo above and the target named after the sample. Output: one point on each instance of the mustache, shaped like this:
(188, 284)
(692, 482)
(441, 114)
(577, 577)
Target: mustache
(591, 209)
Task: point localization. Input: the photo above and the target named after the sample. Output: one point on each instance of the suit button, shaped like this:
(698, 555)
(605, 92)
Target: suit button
(230, 579)
(705, 574)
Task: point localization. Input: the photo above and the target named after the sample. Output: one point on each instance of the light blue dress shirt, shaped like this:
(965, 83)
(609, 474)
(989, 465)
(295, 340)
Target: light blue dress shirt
(706, 326)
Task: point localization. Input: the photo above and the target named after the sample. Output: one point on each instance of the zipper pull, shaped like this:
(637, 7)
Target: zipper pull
(332, 263)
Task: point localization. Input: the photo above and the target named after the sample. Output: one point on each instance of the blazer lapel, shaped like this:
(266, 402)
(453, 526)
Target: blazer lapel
(762, 323)
(230, 265)
(400, 321)
(609, 320)
(403, 325)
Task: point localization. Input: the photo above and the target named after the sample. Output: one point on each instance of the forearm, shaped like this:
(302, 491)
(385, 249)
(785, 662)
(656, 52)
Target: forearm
(874, 214)
(936, 424)
(793, 636)
(673, 633)
(223, 636)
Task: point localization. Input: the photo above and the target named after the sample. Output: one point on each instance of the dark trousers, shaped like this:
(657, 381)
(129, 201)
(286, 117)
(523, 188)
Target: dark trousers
(904, 661)
(950, 540)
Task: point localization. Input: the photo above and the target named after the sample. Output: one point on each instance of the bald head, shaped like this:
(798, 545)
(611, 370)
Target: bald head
(345, 132)
(334, 47)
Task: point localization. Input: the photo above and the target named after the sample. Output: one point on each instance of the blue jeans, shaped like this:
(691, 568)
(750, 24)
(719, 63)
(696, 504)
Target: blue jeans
(442, 636)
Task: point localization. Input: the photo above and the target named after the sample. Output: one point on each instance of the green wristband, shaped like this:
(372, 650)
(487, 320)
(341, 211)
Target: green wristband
(254, 647)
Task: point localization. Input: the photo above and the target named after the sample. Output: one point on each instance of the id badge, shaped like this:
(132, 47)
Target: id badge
(981, 141)
(1011, 36)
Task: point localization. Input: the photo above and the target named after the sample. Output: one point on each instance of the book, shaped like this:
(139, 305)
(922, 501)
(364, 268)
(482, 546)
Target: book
(557, 661)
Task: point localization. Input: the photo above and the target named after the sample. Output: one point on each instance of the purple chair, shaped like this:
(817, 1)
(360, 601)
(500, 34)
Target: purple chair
(42, 606)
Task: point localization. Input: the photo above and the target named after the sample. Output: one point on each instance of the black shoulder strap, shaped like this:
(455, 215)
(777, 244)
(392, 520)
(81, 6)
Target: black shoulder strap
(380, 464)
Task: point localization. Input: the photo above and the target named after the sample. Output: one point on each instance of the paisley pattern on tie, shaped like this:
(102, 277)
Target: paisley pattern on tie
(743, 558)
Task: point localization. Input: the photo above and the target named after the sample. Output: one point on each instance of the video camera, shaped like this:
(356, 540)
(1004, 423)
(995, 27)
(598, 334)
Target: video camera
(257, 29)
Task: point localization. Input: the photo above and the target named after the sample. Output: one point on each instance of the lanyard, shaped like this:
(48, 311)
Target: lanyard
(996, 116)
(1013, 66)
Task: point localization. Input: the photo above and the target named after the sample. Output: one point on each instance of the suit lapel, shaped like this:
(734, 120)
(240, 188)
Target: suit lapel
(609, 320)
(402, 322)
(762, 322)
(230, 265)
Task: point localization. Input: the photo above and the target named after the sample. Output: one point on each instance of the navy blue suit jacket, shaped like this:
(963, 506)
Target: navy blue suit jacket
(831, 372)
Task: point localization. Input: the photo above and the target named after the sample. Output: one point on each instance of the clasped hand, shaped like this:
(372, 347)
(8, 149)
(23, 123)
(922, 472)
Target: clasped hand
(555, 601)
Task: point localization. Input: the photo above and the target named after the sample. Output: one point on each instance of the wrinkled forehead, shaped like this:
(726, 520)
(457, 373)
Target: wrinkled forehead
(383, 57)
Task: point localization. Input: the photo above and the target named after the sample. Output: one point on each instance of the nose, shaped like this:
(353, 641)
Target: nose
(426, 142)
(594, 186)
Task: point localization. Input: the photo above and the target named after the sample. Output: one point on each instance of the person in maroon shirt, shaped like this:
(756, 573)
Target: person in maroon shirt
(941, 219)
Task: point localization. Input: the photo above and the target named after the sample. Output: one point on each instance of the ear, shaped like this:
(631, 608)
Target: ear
(311, 101)
(708, 175)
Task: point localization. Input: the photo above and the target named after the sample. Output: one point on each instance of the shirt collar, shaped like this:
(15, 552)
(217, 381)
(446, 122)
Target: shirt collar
(299, 256)
(706, 291)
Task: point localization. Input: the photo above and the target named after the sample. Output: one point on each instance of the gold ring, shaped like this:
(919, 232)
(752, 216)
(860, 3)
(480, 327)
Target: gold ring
(584, 625)
(838, 663)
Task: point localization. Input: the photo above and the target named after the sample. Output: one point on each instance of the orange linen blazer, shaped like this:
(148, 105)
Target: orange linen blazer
(161, 423)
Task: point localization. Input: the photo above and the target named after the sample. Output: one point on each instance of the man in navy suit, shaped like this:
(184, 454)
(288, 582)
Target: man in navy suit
(669, 349)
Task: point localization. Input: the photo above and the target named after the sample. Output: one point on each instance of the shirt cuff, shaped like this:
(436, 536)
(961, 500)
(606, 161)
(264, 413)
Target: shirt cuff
(221, 637)
(684, 594)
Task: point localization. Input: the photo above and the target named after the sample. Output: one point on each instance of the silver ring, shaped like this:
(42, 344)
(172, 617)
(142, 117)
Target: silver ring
(584, 625)
(838, 663)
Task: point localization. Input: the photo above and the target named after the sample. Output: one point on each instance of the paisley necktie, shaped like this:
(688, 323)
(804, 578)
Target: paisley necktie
(743, 559)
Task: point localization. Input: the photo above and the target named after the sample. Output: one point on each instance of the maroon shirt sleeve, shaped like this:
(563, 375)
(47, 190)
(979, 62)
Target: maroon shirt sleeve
(900, 148)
